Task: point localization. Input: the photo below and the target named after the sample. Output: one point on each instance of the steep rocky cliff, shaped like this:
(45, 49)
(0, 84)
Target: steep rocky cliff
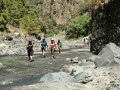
(61, 11)
(106, 25)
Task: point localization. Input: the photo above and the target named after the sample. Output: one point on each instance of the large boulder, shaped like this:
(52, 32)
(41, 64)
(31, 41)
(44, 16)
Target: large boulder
(108, 56)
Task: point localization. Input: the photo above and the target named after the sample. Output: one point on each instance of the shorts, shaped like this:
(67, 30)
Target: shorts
(52, 49)
(30, 51)
(43, 49)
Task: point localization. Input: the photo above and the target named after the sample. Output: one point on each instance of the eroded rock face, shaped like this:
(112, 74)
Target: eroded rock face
(60, 10)
(105, 26)
(16, 46)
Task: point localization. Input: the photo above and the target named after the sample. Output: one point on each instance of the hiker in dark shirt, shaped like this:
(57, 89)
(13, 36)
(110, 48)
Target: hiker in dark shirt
(30, 49)
(59, 46)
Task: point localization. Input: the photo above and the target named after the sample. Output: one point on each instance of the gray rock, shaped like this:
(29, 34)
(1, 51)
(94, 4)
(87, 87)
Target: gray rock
(73, 69)
(15, 47)
(109, 56)
(76, 69)
(68, 59)
(9, 38)
(85, 76)
(72, 72)
(57, 77)
(75, 60)
(92, 58)
(88, 64)
(1, 65)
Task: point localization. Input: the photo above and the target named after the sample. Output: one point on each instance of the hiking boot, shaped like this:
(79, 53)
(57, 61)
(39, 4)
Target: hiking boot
(53, 56)
(44, 56)
(31, 60)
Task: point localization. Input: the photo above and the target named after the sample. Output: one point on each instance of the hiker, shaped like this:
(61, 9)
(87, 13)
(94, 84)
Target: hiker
(30, 49)
(87, 41)
(43, 47)
(84, 42)
(39, 37)
(59, 46)
(52, 47)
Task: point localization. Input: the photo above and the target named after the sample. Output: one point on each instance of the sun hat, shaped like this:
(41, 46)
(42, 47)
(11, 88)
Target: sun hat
(52, 39)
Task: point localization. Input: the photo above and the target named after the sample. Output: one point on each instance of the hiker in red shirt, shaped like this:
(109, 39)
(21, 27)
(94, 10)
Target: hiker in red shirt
(52, 47)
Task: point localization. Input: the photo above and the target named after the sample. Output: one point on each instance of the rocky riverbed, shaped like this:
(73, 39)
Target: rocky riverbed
(17, 71)
(73, 69)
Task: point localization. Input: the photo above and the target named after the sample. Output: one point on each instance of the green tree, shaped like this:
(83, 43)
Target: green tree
(30, 23)
(2, 23)
(78, 26)
(18, 14)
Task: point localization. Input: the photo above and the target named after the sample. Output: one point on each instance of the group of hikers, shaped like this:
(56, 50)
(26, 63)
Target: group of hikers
(44, 47)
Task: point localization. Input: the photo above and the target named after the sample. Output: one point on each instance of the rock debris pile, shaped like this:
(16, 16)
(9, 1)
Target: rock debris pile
(17, 46)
